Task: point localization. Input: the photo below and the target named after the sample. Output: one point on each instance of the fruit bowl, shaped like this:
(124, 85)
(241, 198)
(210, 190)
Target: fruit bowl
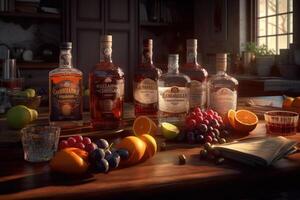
(30, 102)
(281, 122)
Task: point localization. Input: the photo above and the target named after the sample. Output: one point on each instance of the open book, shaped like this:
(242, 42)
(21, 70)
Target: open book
(258, 151)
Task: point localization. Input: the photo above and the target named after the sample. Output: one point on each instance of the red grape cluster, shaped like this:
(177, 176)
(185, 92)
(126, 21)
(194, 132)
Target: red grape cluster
(203, 127)
(84, 143)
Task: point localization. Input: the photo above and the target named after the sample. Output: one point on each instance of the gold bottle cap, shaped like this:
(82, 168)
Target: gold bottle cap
(221, 61)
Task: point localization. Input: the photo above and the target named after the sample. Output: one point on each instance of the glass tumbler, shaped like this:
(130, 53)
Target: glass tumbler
(39, 142)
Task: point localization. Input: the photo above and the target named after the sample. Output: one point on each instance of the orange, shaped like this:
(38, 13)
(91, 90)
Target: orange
(136, 148)
(151, 146)
(144, 125)
(245, 121)
(296, 102)
(83, 154)
(287, 103)
(69, 162)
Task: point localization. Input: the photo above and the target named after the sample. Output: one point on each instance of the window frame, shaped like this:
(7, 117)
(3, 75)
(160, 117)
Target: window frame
(254, 24)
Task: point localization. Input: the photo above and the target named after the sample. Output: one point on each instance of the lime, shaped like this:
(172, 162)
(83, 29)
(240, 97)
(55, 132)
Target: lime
(169, 131)
(18, 117)
(30, 92)
(23, 94)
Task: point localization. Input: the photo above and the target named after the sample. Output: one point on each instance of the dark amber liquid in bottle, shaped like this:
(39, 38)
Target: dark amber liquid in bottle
(106, 96)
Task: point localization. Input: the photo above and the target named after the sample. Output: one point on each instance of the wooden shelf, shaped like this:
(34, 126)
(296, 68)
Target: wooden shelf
(37, 65)
(167, 25)
(30, 15)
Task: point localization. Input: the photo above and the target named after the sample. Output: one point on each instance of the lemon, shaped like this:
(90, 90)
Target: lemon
(30, 92)
(169, 131)
(34, 114)
(18, 117)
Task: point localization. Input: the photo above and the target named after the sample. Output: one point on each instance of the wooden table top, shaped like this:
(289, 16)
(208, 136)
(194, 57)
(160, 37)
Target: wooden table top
(160, 175)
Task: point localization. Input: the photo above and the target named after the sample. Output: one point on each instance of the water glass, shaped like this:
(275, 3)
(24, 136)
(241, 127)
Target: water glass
(39, 142)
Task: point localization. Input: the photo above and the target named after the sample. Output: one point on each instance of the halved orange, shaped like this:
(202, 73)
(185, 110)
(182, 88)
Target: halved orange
(245, 121)
(144, 125)
(230, 118)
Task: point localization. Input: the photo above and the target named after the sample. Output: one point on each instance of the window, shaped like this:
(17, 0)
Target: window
(275, 23)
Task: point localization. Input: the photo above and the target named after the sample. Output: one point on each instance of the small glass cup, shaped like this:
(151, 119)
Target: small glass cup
(39, 142)
(281, 122)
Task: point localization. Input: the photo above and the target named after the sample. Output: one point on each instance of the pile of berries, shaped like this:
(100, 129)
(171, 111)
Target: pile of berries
(101, 157)
(209, 152)
(203, 126)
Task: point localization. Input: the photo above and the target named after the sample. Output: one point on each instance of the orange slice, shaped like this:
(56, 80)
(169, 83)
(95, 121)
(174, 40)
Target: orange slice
(144, 125)
(245, 121)
(230, 116)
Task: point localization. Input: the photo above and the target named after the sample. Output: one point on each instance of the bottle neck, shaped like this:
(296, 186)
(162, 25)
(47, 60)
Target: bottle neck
(147, 55)
(106, 52)
(221, 64)
(65, 58)
(191, 55)
(173, 68)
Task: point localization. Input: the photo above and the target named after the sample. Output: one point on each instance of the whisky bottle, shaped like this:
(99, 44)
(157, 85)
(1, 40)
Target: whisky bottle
(173, 94)
(145, 84)
(65, 91)
(106, 83)
(197, 74)
(222, 88)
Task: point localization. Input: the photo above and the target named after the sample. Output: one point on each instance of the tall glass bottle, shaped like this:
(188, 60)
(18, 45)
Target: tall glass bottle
(173, 94)
(197, 74)
(106, 83)
(222, 88)
(145, 84)
(65, 91)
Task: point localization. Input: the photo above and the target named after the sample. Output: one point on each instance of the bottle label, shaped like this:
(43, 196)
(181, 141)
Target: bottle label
(197, 94)
(66, 100)
(223, 100)
(110, 92)
(173, 99)
(145, 91)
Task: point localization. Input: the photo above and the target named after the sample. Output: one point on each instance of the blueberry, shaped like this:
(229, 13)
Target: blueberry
(222, 140)
(96, 155)
(181, 159)
(123, 153)
(191, 137)
(113, 160)
(107, 153)
(102, 166)
(181, 136)
(200, 138)
(219, 161)
(224, 133)
(202, 128)
(208, 146)
(216, 132)
(203, 154)
(102, 143)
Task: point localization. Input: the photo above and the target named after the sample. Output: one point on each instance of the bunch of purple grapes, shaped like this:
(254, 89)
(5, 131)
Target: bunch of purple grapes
(204, 127)
(101, 157)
